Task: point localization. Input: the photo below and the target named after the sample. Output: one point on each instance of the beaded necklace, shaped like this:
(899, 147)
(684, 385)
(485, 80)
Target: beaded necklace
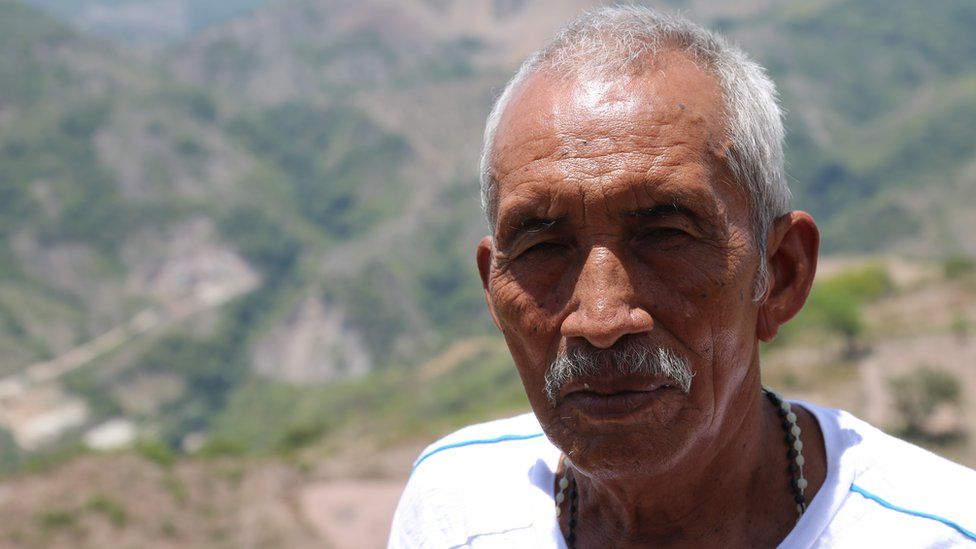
(798, 482)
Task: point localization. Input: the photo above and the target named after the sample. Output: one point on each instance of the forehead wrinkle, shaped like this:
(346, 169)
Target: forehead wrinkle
(532, 198)
(581, 194)
(701, 199)
(548, 137)
(640, 146)
(629, 127)
(539, 145)
(652, 157)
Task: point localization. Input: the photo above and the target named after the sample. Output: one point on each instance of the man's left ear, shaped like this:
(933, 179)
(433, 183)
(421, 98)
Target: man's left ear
(791, 261)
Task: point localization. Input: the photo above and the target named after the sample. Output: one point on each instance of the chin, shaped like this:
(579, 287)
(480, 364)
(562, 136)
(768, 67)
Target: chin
(622, 448)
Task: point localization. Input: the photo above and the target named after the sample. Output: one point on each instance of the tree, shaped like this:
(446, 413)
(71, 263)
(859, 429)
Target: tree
(919, 394)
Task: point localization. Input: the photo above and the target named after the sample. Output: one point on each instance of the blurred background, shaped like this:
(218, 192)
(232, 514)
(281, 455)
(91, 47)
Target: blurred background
(237, 282)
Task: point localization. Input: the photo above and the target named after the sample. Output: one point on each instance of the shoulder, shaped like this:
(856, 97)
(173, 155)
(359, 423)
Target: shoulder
(503, 437)
(899, 487)
(480, 480)
(890, 465)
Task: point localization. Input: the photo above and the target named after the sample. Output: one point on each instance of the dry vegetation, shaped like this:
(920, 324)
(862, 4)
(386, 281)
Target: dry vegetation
(341, 492)
(912, 370)
(127, 500)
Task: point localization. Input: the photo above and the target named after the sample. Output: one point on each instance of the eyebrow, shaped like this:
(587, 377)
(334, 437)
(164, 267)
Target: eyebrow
(662, 210)
(530, 225)
(672, 208)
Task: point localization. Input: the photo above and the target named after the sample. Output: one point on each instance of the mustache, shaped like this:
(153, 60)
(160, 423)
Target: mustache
(629, 357)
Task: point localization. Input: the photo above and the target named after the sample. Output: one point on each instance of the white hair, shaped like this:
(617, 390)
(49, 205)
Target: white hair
(619, 40)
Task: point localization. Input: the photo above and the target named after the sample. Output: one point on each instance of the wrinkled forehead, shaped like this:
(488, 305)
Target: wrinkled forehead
(561, 118)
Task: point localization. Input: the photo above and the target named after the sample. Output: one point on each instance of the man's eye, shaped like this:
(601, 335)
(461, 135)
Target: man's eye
(662, 232)
(548, 246)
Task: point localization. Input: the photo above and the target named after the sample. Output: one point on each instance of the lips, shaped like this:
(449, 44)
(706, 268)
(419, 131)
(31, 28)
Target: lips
(616, 397)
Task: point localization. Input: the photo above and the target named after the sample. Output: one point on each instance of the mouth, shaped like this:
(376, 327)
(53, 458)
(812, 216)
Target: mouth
(615, 399)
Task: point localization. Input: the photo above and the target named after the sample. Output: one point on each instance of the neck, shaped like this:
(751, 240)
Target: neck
(735, 493)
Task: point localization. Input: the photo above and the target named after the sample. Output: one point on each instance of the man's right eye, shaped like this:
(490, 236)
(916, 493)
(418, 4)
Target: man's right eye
(545, 247)
(662, 232)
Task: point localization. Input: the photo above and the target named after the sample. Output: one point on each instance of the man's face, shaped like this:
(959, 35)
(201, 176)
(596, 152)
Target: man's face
(618, 223)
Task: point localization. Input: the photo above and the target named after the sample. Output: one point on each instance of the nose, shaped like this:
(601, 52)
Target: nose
(604, 302)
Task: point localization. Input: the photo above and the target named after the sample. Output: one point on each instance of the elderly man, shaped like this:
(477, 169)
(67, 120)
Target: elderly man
(642, 247)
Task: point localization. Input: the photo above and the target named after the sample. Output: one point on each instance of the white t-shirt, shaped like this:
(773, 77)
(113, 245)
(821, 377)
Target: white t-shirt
(491, 485)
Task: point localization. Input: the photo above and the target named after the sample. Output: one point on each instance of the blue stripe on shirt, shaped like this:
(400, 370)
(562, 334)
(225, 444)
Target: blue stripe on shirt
(502, 438)
(857, 489)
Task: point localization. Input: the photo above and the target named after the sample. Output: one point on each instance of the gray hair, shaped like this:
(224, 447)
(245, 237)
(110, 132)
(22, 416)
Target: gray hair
(628, 357)
(615, 40)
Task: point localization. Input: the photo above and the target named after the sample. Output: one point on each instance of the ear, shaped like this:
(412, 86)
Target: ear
(791, 260)
(484, 255)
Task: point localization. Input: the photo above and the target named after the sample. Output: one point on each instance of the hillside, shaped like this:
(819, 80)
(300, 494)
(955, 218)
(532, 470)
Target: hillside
(257, 238)
(883, 110)
(145, 21)
(880, 105)
(173, 238)
(336, 484)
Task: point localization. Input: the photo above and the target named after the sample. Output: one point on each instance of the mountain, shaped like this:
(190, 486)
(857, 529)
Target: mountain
(140, 21)
(883, 110)
(167, 243)
(261, 233)
(880, 106)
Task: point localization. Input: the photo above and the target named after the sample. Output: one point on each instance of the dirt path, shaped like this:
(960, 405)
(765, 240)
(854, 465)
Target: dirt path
(148, 319)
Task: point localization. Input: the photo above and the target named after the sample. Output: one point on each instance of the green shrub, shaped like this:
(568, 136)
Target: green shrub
(958, 265)
(835, 305)
(56, 519)
(919, 393)
(111, 509)
(302, 434)
(862, 284)
(157, 452)
(222, 446)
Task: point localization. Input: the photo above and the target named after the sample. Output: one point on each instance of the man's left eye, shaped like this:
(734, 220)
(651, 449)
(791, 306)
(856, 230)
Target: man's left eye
(662, 232)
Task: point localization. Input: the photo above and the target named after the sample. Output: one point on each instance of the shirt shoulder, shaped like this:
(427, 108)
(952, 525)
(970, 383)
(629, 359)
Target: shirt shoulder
(897, 490)
(482, 438)
(481, 481)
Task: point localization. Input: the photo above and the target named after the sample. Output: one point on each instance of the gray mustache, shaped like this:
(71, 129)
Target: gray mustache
(629, 357)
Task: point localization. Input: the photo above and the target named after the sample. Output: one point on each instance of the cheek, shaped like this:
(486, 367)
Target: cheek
(528, 322)
(531, 335)
(701, 300)
(533, 292)
(513, 303)
(698, 277)
(542, 280)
